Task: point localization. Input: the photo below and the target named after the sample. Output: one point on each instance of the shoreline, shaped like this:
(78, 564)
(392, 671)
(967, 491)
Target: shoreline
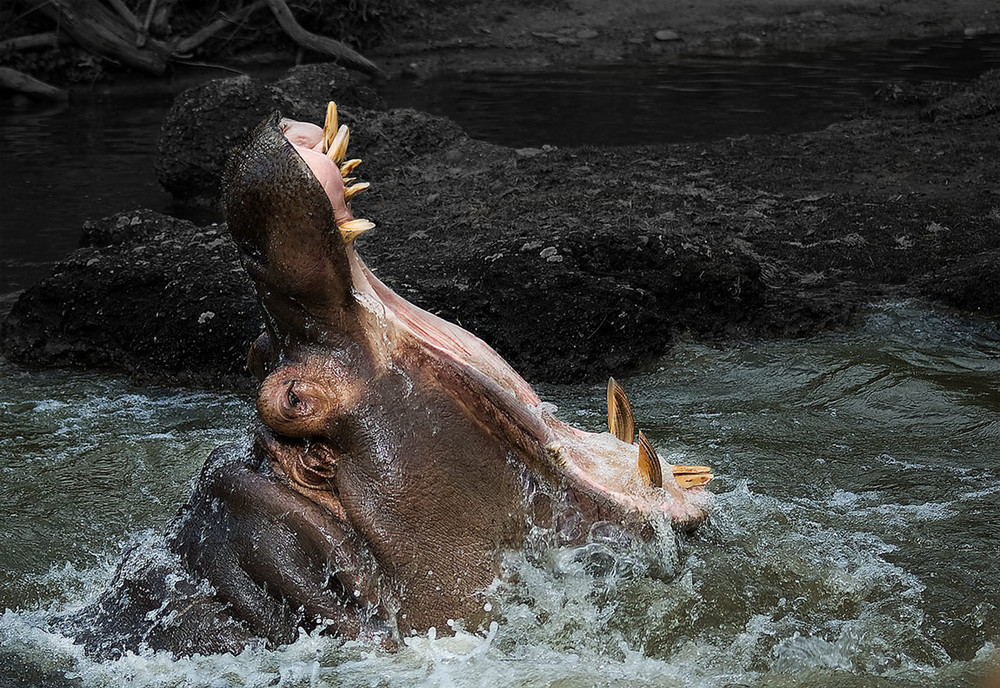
(428, 39)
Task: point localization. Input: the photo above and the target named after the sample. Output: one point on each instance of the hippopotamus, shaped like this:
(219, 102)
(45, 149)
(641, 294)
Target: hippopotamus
(395, 455)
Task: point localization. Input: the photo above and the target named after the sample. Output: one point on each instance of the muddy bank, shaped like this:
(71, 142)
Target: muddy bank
(424, 37)
(573, 263)
(524, 35)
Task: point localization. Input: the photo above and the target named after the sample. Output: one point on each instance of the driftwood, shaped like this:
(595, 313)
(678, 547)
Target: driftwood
(117, 32)
(96, 28)
(35, 40)
(22, 83)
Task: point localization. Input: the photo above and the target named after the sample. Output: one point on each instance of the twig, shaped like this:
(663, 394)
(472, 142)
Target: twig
(186, 46)
(22, 83)
(35, 40)
(320, 44)
(145, 24)
(126, 14)
(161, 17)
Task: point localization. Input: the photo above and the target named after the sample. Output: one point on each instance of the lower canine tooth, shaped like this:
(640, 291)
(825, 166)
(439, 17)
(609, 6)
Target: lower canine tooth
(649, 462)
(620, 420)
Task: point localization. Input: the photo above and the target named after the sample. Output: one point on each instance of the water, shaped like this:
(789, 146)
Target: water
(697, 100)
(64, 164)
(853, 542)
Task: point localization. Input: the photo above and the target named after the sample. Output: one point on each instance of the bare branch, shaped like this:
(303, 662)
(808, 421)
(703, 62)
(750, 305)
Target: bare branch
(22, 83)
(126, 14)
(186, 46)
(320, 44)
(145, 24)
(35, 40)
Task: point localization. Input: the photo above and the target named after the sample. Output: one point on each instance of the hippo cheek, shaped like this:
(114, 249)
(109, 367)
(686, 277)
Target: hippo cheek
(434, 507)
(432, 495)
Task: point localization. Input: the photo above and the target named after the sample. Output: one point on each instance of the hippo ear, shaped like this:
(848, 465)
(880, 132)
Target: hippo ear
(286, 231)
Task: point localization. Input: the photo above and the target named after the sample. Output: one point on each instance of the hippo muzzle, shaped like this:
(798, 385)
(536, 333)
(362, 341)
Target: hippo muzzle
(415, 439)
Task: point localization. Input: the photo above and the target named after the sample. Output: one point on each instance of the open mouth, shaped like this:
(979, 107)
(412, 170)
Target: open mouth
(323, 295)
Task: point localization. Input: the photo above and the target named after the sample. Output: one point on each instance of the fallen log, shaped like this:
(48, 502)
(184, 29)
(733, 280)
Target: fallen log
(14, 80)
(320, 44)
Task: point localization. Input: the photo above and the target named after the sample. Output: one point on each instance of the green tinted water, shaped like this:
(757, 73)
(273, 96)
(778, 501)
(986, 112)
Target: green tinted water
(854, 542)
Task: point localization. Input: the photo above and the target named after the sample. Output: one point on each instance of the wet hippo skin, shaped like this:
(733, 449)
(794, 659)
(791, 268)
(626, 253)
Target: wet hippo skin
(395, 456)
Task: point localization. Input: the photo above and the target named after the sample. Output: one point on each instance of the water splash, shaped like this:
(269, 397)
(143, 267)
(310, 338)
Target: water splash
(853, 541)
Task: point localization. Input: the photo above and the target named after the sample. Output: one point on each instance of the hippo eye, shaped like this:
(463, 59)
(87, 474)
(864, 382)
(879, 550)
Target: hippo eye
(293, 400)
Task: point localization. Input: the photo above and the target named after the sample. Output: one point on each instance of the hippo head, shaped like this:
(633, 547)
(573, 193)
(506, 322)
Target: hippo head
(413, 437)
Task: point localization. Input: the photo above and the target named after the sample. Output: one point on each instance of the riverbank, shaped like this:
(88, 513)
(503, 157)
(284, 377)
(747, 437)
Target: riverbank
(575, 263)
(425, 37)
(475, 36)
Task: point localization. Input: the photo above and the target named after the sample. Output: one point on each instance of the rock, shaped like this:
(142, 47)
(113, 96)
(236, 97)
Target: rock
(136, 298)
(979, 100)
(745, 40)
(667, 35)
(204, 121)
(528, 152)
(586, 34)
(573, 263)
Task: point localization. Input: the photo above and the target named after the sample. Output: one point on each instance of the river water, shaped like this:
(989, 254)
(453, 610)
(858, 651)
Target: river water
(854, 540)
(853, 543)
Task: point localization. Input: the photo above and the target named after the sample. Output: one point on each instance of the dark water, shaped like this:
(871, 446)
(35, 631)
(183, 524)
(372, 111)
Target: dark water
(696, 100)
(853, 542)
(64, 164)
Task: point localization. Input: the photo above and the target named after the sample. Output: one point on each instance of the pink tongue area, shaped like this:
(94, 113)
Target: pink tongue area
(308, 142)
(447, 338)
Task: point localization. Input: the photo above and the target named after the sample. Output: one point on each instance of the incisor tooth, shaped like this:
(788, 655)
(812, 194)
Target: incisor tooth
(352, 229)
(686, 482)
(688, 470)
(649, 462)
(338, 147)
(330, 125)
(352, 191)
(346, 168)
(620, 420)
